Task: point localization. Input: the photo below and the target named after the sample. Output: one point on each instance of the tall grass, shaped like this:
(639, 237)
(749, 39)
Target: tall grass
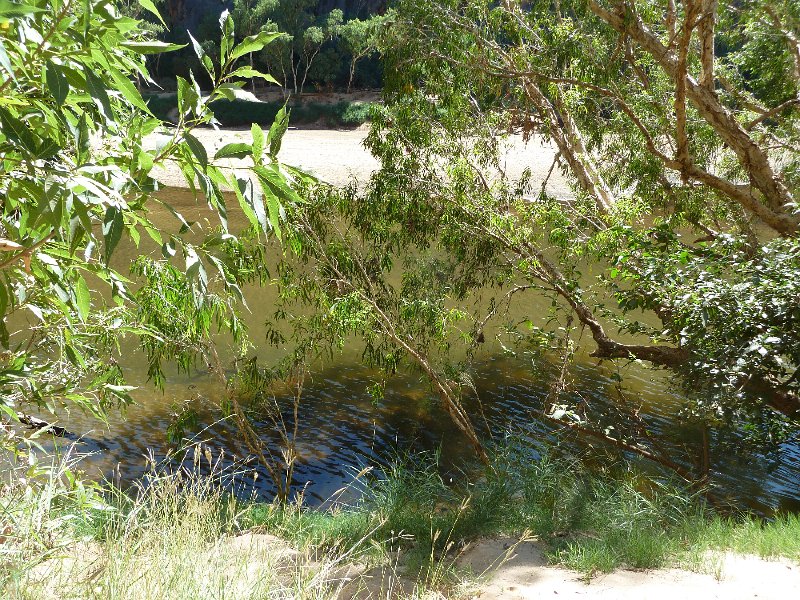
(177, 537)
(181, 536)
(588, 520)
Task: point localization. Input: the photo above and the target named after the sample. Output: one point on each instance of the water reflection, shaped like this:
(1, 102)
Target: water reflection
(342, 429)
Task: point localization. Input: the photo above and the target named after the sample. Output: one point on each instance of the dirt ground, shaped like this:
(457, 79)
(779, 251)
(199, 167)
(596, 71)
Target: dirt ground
(338, 156)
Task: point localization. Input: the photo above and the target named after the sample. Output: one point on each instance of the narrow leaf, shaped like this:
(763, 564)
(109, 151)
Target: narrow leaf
(254, 43)
(112, 230)
(82, 298)
(234, 150)
(197, 149)
(258, 142)
(16, 130)
(12, 9)
(250, 73)
(150, 6)
(56, 83)
(277, 130)
(152, 47)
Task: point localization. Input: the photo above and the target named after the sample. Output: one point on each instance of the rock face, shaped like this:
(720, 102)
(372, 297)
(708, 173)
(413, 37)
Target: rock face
(184, 15)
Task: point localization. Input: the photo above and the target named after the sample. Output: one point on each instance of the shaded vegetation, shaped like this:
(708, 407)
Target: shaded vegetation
(589, 520)
(238, 112)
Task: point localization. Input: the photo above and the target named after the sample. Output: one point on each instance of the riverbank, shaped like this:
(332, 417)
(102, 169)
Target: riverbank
(339, 156)
(522, 530)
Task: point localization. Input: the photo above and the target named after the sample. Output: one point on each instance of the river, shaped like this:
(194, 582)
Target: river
(342, 429)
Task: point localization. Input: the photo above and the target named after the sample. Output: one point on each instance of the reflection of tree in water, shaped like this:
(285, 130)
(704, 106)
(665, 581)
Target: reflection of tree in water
(342, 429)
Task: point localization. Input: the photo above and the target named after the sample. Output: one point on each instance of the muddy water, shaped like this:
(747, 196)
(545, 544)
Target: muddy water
(342, 429)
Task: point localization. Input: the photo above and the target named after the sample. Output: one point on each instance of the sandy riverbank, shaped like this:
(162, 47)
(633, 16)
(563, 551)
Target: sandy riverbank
(490, 569)
(339, 156)
(512, 570)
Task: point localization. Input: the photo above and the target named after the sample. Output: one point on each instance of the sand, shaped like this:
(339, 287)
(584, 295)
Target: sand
(502, 568)
(338, 156)
(513, 570)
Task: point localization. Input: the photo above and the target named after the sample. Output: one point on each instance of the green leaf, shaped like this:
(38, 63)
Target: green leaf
(250, 73)
(13, 9)
(5, 62)
(277, 130)
(254, 203)
(275, 210)
(152, 47)
(234, 150)
(113, 225)
(234, 91)
(97, 91)
(194, 267)
(258, 142)
(83, 298)
(127, 89)
(205, 60)
(56, 83)
(83, 138)
(239, 187)
(278, 183)
(197, 149)
(87, 17)
(17, 131)
(226, 42)
(149, 6)
(254, 43)
(187, 96)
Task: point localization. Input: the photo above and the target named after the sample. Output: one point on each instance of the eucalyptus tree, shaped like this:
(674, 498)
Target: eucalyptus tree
(305, 35)
(249, 18)
(79, 152)
(360, 37)
(677, 125)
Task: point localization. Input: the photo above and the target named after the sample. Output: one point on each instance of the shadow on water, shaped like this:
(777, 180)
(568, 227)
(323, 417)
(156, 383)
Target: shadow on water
(342, 429)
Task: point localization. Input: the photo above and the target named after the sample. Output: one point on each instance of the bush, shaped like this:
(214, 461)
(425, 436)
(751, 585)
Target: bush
(236, 113)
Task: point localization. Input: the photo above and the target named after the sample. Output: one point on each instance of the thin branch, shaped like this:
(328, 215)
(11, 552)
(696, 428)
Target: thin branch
(772, 112)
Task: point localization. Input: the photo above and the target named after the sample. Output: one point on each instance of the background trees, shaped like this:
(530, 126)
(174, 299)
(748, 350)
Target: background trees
(360, 38)
(323, 45)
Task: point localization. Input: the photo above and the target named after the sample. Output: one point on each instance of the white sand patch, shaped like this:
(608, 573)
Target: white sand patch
(514, 570)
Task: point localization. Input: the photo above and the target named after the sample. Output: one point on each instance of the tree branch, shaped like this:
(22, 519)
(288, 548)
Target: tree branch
(751, 156)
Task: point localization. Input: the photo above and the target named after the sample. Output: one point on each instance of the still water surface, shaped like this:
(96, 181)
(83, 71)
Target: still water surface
(342, 429)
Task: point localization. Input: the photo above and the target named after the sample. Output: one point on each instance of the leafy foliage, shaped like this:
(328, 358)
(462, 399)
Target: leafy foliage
(77, 181)
(677, 248)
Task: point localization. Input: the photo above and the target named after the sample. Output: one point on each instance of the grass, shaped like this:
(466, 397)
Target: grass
(588, 521)
(235, 113)
(176, 537)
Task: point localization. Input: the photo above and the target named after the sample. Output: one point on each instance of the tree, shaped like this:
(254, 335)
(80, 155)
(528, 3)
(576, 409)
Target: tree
(359, 38)
(313, 40)
(77, 180)
(305, 35)
(249, 18)
(678, 249)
